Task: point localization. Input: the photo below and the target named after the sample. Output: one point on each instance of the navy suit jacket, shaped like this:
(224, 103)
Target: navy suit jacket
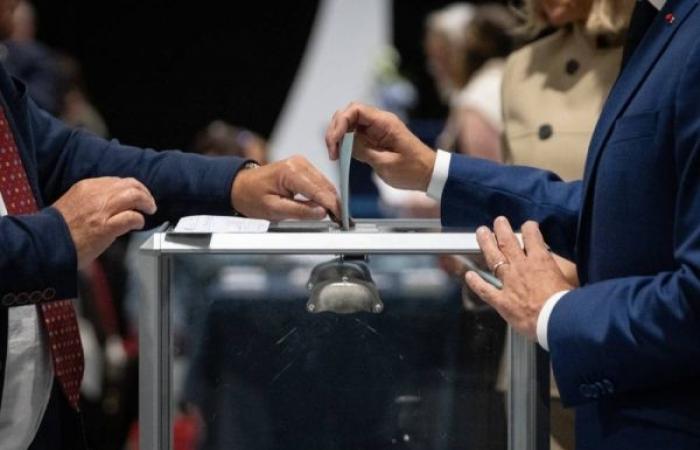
(625, 346)
(37, 256)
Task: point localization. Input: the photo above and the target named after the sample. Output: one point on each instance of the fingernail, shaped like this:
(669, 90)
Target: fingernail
(319, 212)
(501, 219)
(482, 230)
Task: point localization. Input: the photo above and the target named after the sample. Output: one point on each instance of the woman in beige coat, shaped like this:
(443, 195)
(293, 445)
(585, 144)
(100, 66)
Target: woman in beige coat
(555, 87)
(553, 92)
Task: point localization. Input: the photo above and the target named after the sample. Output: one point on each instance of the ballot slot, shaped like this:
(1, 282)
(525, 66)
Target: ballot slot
(321, 226)
(363, 225)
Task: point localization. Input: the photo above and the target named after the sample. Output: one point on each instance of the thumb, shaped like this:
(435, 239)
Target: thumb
(125, 221)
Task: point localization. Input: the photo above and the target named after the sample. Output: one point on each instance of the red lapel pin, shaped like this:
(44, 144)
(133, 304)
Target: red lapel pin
(670, 18)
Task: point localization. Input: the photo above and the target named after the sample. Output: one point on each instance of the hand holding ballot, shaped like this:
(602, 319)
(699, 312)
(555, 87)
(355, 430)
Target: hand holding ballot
(383, 142)
(526, 278)
(269, 192)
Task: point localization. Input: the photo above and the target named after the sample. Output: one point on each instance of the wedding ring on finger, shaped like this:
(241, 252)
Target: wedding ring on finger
(494, 269)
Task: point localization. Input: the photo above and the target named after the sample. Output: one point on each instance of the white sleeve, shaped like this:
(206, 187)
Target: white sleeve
(543, 318)
(441, 171)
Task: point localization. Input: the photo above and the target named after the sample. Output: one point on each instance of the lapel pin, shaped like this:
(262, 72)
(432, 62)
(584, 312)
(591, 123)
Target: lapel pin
(670, 18)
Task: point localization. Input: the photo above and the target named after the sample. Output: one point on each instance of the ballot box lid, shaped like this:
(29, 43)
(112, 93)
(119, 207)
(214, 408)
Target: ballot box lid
(387, 236)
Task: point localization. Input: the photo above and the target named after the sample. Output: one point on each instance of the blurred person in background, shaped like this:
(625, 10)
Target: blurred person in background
(54, 80)
(554, 88)
(393, 92)
(553, 93)
(77, 110)
(31, 61)
(466, 47)
(222, 139)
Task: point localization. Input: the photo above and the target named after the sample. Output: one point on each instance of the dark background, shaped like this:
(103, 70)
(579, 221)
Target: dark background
(160, 70)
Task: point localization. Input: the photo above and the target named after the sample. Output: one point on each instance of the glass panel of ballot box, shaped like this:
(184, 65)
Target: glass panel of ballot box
(309, 337)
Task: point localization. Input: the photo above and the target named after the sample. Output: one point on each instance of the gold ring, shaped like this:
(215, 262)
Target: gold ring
(494, 270)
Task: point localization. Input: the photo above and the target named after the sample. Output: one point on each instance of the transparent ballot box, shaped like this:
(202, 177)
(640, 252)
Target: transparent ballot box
(308, 337)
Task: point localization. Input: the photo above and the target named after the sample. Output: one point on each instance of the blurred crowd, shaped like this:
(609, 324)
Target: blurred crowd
(522, 85)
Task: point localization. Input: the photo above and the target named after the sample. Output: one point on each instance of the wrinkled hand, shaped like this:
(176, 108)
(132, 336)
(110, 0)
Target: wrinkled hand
(529, 277)
(99, 210)
(383, 142)
(268, 192)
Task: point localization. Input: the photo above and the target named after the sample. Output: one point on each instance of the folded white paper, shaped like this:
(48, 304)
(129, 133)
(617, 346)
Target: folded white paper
(220, 224)
(345, 162)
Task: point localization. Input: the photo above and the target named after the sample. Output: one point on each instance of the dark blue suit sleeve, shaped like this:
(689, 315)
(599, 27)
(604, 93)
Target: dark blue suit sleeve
(37, 256)
(641, 332)
(181, 183)
(477, 191)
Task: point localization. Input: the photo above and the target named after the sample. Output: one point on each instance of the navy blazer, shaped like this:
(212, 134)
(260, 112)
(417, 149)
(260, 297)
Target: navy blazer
(625, 346)
(37, 256)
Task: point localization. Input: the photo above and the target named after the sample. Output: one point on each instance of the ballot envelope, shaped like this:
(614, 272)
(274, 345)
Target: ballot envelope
(306, 335)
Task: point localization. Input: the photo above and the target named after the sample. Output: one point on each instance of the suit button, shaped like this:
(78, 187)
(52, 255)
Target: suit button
(35, 297)
(591, 391)
(22, 298)
(585, 390)
(545, 132)
(609, 386)
(8, 299)
(602, 42)
(572, 66)
(49, 294)
(600, 389)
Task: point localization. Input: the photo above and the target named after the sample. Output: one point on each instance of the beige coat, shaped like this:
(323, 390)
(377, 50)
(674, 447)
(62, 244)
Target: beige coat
(553, 93)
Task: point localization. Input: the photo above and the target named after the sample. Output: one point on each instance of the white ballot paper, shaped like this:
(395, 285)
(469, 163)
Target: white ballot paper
(220, 224)
(345, 160)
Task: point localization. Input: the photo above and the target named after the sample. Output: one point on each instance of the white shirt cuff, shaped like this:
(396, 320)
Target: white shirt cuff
(543, 318)
(441, 171)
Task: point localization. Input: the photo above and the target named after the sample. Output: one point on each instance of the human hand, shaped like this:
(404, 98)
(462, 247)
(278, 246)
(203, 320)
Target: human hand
(99, 210)
(530, 276)
(268, 191)
(383, 142)
(569, 270)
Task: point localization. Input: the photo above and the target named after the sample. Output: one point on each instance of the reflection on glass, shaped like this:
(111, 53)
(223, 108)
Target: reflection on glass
(256, 371)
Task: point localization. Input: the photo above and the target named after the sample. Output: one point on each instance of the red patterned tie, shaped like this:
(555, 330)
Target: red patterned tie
(59, 316)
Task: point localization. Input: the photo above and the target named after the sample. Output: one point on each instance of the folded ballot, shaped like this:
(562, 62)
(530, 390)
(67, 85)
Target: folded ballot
(220, 224)
(345, 161)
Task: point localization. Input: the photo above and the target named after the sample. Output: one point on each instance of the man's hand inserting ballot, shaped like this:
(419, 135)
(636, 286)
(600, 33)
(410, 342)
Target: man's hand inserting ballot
(268, 192)
(383, 142)
(530, 276)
